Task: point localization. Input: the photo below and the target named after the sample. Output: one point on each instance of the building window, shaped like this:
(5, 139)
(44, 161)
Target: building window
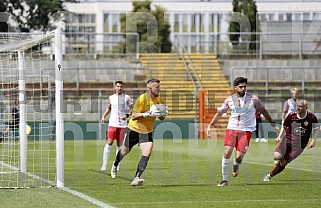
(281, 17)
(297, 16)
(111, 22)
(211, 27)
(106, 23)
(176, 23)
(306, 16)
(185, 22)
(289, 17)
(262, 17)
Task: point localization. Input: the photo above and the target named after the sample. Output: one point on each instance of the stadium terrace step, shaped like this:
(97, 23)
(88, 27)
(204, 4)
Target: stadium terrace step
(171, 70)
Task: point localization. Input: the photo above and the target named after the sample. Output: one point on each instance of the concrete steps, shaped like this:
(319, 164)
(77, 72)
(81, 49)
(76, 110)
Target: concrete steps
(180, 92)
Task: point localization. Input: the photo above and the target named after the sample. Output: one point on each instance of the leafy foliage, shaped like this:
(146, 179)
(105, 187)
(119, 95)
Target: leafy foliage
(244, 12)
(32, 14)
(152, 37)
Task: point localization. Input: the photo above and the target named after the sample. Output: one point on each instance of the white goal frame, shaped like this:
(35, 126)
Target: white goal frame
(59, 125)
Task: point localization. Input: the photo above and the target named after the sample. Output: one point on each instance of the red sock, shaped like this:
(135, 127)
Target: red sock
(278, 169)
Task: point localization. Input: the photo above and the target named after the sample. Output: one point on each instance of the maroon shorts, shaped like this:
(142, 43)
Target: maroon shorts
(238, 139)
(289, 152)
(116, 133)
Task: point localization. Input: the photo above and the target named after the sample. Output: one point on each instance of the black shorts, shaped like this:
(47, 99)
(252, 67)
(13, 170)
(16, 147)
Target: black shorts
(133, 137)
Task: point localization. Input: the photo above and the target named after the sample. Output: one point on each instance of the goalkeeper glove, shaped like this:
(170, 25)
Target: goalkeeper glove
(152, 114)
(165, 113)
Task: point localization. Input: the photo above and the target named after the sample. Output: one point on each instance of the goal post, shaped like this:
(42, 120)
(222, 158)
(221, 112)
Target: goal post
(59, 109)
(31, 153)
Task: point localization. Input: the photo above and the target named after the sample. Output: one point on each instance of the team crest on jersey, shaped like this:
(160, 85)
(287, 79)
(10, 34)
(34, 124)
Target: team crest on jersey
(306, 123)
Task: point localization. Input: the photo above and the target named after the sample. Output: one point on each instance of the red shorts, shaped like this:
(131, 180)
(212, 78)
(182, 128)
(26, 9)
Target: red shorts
(238, 139)
(116, 133)
(289, 152)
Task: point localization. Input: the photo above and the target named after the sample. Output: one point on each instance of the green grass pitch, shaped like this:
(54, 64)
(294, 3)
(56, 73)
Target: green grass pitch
(180, 173)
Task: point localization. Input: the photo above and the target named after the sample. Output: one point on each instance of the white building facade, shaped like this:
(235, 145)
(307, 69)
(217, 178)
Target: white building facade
(194, 23)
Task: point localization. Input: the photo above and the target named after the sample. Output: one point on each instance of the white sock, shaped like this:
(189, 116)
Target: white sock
(225, 168)
(106, 155)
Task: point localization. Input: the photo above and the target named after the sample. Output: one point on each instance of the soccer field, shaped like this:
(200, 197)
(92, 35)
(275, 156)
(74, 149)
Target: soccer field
(180, 173)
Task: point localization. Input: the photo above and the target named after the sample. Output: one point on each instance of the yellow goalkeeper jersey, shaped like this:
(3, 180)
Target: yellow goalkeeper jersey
(143, 104)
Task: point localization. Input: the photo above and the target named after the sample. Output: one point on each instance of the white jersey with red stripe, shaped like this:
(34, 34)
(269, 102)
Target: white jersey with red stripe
(243, 111)
(119, 106)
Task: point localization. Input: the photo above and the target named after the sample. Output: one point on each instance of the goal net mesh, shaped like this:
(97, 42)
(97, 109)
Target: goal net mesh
(27, 111)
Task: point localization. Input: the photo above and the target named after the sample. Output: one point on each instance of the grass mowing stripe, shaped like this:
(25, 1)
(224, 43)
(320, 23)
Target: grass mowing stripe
(224, 201)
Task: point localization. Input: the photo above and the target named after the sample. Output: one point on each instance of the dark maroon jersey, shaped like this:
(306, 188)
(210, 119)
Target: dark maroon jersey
(298, 130)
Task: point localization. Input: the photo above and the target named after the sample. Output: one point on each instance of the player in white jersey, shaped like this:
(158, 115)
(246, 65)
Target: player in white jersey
(290, 104)
(119, 104)
(240, 125)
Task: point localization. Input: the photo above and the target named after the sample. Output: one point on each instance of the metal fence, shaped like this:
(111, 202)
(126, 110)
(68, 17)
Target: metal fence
(300, 45)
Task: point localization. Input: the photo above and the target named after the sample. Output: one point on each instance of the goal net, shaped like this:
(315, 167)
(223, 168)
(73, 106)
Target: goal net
(31, 90)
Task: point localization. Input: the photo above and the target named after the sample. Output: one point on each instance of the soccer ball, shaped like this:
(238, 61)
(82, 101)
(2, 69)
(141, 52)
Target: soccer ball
(159, 107)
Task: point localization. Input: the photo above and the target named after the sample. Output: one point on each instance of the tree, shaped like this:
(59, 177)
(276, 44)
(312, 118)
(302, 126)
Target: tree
(33, 14)
(244, 42)
(137, 22)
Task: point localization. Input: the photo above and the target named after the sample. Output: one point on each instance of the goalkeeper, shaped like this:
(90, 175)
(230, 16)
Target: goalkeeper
(140, 129)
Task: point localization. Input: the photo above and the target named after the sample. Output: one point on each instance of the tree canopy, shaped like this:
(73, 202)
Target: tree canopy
(152, 29)
(244, 19)
(31, 14)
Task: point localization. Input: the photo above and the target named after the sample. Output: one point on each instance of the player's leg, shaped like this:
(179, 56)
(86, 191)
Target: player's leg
(120, 136)
(242, 145)
(131, 139)
(290, 154)
(276, 170)
(146, 147)
(279, 152)
(229, 144)
(110, 136)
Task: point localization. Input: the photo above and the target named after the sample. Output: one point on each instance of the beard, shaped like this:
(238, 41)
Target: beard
(241, 94)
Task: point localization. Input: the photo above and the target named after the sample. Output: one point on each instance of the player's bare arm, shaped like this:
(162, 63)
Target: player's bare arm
(127, 115)
(215, 119)
(107, 111)
(314, 138)
(269, 119)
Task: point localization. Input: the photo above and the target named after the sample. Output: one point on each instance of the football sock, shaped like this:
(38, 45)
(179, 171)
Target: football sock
(141, 166)
(118, 149)
(277, 169)
(225, 167)
(119, 157)
(235, 162)
(106, 154)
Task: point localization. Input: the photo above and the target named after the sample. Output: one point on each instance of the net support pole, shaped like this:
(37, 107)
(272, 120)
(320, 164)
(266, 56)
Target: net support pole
(22, 106)
(59, 109)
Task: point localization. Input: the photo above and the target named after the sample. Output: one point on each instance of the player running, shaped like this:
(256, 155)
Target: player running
(298, 127)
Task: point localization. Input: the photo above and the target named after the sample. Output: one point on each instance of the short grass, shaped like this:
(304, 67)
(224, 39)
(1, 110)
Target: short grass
(180, 173)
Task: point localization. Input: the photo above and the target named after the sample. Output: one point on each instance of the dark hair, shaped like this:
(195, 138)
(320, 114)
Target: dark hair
(153, 80)
(239, 80)
(119, 82)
